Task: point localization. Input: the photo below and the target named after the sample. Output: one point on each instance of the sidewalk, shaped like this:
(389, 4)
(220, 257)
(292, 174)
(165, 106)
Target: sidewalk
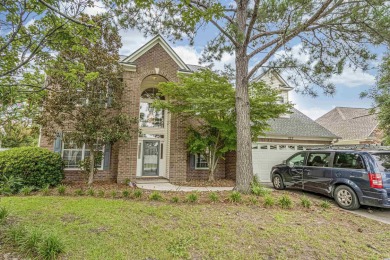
(171, 187)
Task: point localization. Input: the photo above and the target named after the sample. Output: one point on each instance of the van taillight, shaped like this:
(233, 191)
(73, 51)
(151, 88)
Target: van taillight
(375, 180)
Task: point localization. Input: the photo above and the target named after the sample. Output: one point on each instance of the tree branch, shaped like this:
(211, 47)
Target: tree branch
(252, 22)
(65, 15)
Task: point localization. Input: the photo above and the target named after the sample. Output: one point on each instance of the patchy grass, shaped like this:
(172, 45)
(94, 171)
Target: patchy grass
(101, 228)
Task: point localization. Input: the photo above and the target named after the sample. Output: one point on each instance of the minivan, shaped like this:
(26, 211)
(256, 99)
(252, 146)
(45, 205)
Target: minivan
(351, 177)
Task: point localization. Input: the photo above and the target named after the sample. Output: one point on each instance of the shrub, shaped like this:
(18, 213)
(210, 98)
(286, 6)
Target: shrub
(235, 196)
(253, 200)
(61, 189)
(35, 166)
(175, 199)
(213, 197)
(193, 197)
(50, 247)
(26, 190)
(114, 194)
(45, 190)
(3, 214)
(138, 193)
(255, 181)
(101, 193)
(325, 204)
(260, 191)
(10, 184)
(305, 202)
(155, 196)
(126, 193)
(285, 202)
(90, 192)
(269, 201)
(79, 192)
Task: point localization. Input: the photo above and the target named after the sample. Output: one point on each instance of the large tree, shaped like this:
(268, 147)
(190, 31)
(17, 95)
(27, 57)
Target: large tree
(332, 33)
(32, 32)
(85, 101)
(206, 100)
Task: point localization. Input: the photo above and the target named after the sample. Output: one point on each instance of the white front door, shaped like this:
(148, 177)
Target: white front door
(151, 158)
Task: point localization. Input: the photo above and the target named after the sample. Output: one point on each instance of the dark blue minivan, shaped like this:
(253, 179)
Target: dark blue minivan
(351, 177)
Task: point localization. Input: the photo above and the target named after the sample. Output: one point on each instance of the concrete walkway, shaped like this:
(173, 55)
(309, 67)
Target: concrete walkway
(171, 187)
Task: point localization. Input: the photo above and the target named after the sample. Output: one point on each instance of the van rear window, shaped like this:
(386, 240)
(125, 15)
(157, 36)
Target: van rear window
(383, 161)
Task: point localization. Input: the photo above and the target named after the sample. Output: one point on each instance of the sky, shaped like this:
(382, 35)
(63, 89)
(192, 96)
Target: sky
(348, 85)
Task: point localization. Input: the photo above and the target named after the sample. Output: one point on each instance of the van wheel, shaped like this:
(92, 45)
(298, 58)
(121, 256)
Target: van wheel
(277, 181)
(346, 198)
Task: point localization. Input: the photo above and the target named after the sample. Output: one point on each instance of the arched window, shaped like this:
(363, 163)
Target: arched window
(151, 93)
(148, 115)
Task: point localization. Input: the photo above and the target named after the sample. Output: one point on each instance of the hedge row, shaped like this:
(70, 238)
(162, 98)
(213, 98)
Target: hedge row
(36, 166)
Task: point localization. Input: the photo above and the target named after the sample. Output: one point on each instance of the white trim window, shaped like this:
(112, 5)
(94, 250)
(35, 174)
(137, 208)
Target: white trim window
(200, 162)
(73, 155)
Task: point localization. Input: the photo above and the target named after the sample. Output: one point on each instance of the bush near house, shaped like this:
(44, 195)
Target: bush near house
(34, 166)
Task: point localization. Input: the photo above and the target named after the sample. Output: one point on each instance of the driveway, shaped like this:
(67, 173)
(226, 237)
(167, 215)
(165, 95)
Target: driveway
(378, 214)
(382, 215)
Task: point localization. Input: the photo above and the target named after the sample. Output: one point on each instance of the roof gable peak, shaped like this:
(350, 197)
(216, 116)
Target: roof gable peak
(153, 42)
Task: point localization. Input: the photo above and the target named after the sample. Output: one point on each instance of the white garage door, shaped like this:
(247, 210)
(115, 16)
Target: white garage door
(267, 155)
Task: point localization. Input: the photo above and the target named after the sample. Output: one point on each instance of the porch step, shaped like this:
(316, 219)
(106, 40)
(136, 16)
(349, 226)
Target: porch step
(149, 180)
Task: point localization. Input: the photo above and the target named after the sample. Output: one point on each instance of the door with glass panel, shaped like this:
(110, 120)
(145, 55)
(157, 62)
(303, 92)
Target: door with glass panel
(150, 158)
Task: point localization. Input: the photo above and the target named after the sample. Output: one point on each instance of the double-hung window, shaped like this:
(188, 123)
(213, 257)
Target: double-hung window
(200, 162)
(72, 154)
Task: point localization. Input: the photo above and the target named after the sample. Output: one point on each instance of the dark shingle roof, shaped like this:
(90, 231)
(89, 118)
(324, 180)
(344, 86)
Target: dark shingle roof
(298, 125)
(349, 123)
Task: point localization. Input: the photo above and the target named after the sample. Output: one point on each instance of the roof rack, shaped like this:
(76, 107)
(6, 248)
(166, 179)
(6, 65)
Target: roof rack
(358, 147)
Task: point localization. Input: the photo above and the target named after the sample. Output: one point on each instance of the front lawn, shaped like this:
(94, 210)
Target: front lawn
(101, 228)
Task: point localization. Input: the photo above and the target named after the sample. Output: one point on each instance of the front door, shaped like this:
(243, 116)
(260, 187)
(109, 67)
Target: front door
(150, 158)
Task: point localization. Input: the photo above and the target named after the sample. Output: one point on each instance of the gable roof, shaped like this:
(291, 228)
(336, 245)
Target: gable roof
(298, 125)
(156, 40)
(349, 123)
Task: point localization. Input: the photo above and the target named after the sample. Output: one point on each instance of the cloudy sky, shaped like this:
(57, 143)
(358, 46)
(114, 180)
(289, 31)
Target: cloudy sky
(348, 85)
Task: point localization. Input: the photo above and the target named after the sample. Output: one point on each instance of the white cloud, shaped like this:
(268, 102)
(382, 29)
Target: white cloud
(97, 8)
(188, 54)
(131, 41)
(312, 112)
(351, 78)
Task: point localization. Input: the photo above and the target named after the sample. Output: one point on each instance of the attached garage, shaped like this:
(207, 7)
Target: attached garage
(266, 155)
(288, 135)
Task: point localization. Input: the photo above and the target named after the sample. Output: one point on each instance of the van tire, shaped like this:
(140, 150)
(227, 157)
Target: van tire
(277, 182)
(346, 197)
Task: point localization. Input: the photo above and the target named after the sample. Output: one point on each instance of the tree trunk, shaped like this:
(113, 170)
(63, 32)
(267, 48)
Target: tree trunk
(244, 167)
(91, 166)
(211, 174)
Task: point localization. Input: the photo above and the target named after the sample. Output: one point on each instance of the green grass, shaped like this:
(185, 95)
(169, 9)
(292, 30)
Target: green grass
(101, 228)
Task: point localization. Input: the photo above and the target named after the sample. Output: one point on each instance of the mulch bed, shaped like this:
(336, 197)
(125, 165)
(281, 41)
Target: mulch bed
(203, 183)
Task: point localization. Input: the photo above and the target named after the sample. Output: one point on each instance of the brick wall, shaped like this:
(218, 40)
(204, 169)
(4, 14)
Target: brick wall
(156, 57)
(230, 165)
(194, 174)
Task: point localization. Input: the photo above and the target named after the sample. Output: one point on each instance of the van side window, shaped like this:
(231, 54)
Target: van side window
(348, 160)
(297, 160)
(318, 159)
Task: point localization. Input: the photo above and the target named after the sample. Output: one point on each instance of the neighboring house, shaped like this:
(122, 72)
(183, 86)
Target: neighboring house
(160, 149)
(352, 125)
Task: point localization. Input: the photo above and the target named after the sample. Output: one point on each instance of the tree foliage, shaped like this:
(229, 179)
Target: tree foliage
(87, 86)
(207, 101)
(380, 94)
(32, 32)
(332, 34)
